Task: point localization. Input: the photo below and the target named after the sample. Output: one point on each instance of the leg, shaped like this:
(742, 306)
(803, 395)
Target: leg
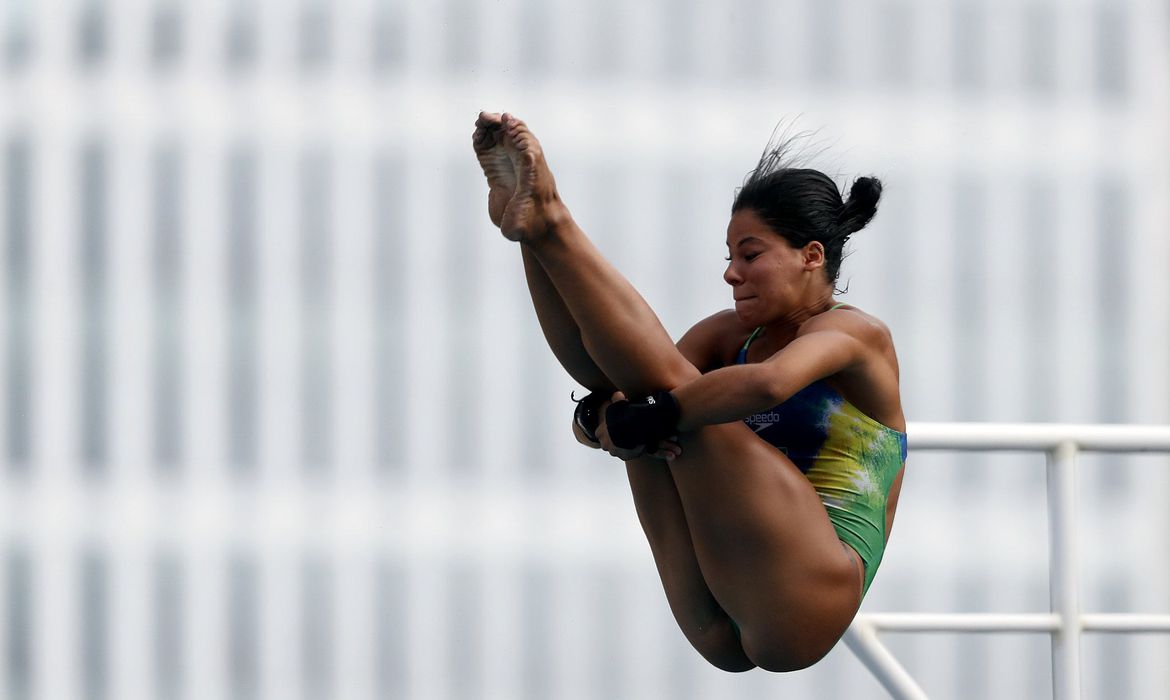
(704, 623)
(760, 533)
(766, 546)
(700, 617)
(656, 498)
(513, 162)
(706, 626)
(560, 330)
(619, 330)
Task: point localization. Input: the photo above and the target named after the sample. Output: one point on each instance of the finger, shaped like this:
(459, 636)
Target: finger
(632, 454)
(603, 439)
(669, 450)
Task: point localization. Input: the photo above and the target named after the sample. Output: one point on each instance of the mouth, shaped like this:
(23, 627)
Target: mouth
(742, 298)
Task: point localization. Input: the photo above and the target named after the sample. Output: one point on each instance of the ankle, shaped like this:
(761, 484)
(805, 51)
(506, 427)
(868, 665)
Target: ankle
(558, 224)
(558, 216)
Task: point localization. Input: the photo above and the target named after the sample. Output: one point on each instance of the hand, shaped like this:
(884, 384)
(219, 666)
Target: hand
(666, 450)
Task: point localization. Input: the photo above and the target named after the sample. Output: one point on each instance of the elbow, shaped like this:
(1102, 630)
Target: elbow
(773, 390)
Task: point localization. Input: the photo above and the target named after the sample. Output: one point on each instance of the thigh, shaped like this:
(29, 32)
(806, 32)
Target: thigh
(704, 623)
(764, 541)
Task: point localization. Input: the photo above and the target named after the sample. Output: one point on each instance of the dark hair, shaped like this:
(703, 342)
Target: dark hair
(803, 205)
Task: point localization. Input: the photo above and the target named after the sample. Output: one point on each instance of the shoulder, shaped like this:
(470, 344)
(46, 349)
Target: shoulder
(868, 374)
(712, 340)
(850, 321)
(860, 337)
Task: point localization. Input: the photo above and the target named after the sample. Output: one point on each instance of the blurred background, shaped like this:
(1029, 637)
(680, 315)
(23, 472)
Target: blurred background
(277, 420)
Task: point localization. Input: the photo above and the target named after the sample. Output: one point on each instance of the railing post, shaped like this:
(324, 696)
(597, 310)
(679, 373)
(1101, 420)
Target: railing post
(862, 639)
(1063, 571)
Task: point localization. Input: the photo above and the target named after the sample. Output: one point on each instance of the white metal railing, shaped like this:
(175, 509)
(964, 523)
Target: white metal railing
(1065, 623)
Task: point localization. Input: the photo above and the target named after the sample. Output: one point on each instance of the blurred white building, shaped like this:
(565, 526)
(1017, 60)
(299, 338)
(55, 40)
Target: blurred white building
(277, 421)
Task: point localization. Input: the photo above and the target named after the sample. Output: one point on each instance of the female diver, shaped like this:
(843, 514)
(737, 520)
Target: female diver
(764, 450)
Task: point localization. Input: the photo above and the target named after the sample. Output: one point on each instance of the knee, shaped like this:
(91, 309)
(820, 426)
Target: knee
(680, 372)
(666, 376)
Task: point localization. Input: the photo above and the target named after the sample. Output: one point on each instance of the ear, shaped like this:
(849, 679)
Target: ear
(813, 255)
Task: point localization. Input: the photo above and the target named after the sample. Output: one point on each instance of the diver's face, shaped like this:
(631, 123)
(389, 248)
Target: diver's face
(768, 277)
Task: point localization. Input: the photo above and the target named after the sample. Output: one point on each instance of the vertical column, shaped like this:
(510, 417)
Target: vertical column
(317, 627)
(1062, 571)
(467, 316)
(464, 647)
(391, 641)
(243, 644)
(242, 265)
(94, 418)
(316, 382)
(535, 664)
(19, 623)
(390, 315)
(167, 633)
(18, 319)
(94, 621)
(168, 347)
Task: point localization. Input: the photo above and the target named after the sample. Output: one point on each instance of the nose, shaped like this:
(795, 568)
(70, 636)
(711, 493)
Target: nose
(730, 276)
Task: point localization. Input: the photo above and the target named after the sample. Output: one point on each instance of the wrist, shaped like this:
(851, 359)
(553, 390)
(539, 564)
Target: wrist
(642, 423)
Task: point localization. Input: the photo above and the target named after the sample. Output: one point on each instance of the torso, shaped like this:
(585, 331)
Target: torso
(872, 389)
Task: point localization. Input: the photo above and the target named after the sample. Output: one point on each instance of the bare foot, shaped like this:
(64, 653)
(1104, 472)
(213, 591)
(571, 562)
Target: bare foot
(523, 203)
(488, 142)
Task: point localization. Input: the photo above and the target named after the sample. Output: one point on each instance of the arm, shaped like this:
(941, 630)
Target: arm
(699, 346)
(737, 391)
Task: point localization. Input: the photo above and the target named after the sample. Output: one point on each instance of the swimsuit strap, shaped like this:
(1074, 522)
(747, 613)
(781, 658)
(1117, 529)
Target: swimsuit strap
(752, 337)
(742, 357)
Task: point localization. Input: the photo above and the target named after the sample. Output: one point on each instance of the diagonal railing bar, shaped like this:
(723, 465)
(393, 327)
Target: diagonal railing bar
(1064, 623)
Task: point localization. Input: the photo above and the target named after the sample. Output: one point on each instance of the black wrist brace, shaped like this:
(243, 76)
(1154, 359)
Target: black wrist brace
(586, 415)
(642, 423)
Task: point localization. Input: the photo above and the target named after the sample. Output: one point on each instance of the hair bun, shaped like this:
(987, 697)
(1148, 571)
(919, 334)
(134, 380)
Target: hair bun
(862, 205)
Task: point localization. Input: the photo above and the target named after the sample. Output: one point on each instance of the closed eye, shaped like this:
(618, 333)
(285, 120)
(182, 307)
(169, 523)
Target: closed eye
(750, 257)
